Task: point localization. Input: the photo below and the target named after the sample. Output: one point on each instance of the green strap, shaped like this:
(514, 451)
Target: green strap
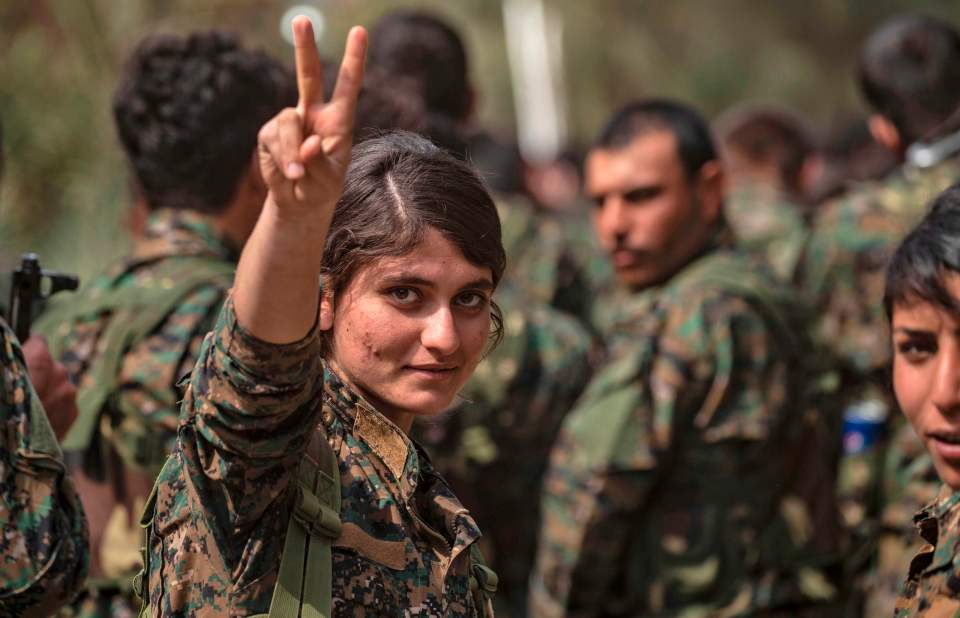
(147, 308)
(305, 580)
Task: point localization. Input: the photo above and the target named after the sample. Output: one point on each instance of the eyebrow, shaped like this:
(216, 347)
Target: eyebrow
(410, 279)
(913, 332)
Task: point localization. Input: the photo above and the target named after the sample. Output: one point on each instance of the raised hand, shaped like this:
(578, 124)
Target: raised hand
(303, 155)
(304, 152)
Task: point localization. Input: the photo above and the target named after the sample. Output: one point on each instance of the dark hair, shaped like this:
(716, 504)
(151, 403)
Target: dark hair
(397, 186)
(767, 135)
(926, 256)
(694, 142)
(423, 47)
(187, 111)
(910, 73)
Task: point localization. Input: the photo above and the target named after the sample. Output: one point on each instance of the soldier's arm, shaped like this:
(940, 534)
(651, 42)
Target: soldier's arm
(618, 447)
(43, 533)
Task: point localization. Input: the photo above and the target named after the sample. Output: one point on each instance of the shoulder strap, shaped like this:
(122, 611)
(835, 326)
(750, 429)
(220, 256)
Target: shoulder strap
(146, 309)
(305, 579)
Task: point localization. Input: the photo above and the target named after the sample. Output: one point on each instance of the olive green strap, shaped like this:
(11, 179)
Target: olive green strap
(305, 581)
(141, 582)
(483, 581)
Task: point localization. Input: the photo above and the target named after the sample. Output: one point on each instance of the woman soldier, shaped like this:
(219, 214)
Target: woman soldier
(409, 256)
(922, 301)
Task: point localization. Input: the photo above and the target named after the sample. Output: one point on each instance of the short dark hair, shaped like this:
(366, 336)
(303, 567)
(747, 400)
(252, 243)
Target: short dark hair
(929, 253)
(188, 110)
(764, 135)
(397, 186)
(423, 47)
(910, 74)
(695, 145)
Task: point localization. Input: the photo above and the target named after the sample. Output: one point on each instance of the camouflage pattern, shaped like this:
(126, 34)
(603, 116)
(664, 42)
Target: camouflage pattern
(555, 259)
(252, 412)
(137, 427)
(843, 268)
(689, 480)
(910, 484)
(43, 532)
(503, 429)
(932, 586)
(842, 275)
(768, 224)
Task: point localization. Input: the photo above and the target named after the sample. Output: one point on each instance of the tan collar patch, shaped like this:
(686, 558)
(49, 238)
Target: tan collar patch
(383, 437)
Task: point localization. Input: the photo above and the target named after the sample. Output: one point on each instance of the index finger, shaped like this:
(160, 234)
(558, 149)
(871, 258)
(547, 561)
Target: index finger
(309, 69)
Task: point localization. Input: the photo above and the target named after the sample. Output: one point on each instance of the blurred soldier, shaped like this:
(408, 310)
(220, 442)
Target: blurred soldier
(771, 163)
(689, 479)
(187, 110)
(909, 73)
(493, 448)
(43, 532)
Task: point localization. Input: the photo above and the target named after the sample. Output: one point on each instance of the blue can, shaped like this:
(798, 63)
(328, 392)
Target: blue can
(863, 424)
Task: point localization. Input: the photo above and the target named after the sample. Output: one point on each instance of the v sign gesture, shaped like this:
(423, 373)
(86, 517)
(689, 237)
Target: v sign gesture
(304, 154)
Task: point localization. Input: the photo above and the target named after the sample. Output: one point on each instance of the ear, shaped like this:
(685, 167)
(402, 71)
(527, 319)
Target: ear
(811, 173)
(711, 185)
(885, 133)
(326, 305)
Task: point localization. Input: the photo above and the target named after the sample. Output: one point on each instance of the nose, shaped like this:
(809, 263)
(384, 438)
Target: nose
(440, 334)
(946, 388)
(612, 220)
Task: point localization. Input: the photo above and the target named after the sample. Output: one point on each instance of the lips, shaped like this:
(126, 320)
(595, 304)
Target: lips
(947, 444)
(625, 258)
(433, 372)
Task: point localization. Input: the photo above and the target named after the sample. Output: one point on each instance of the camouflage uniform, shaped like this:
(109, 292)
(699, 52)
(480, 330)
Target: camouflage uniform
(43, 533)
(766, 223)
(136, 427)
(252, 412)
(689, 479)
(554, 259)
(513, 407)
(843, 275)
(932, 587)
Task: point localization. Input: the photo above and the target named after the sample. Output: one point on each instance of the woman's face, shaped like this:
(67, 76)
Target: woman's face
(926, 378)
(408, 331)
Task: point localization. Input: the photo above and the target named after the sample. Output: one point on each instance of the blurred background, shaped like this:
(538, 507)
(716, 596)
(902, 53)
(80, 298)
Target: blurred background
(551, 70)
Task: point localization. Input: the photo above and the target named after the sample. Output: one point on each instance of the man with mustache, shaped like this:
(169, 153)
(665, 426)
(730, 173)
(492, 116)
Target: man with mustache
(693, 474)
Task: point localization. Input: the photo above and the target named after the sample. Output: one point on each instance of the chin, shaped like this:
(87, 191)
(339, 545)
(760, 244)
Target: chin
(949, 474)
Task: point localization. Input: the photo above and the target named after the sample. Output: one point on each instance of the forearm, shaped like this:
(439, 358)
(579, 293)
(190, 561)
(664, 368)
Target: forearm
(277, 288)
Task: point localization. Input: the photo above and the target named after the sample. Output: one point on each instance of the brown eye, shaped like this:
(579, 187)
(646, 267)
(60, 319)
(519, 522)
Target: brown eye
(471, 300)
(917, 349)
(404, 296)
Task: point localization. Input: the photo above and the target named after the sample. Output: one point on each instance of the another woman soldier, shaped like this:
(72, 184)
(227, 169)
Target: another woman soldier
(922, 300)
(409, 256)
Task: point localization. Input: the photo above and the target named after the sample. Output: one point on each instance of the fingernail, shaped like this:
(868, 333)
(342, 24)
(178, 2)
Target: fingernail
(294, 170)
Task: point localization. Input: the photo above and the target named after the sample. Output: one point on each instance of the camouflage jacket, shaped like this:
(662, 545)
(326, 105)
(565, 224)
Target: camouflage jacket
(680, 482)
(932, 586)
(141, 420)
(224, 497)
(553, 259)
(43, 533)
(503, 429)
(766, 223)
(844, 266)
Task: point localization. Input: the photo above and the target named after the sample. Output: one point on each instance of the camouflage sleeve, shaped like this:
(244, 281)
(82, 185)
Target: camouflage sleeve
(222, 502)
(149, 400)
(691, 382)
(43, 533)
